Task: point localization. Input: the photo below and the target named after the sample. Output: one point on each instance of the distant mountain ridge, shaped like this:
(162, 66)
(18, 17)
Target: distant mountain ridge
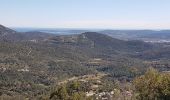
(7, 34)
(144, 35)
(156, 36)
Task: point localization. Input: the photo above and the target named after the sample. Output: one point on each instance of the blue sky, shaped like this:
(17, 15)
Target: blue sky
(112, 14)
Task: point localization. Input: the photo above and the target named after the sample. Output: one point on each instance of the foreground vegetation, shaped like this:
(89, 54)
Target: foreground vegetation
(153, 85)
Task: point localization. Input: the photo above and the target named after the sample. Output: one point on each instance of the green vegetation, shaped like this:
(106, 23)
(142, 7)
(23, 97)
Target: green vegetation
(30, 65)
(153, 85)
(72, 91)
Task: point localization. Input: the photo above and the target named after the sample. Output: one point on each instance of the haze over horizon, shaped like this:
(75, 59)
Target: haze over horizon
(105, 14)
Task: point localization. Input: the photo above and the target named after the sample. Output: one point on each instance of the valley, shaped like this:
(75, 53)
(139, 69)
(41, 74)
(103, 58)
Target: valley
(34, 64)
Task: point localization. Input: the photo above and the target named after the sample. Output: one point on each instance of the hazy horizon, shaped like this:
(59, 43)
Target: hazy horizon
(89, 14)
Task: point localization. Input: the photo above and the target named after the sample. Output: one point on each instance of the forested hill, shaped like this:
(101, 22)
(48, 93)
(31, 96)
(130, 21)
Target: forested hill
(31, 62)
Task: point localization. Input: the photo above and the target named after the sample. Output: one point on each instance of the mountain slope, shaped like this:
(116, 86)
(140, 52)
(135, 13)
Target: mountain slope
(7, 34)
(101, 41)
(29, 68)
(5, 31)
(10, 35)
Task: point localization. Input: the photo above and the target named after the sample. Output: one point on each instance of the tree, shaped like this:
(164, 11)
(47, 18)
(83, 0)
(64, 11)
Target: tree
(153, 85)
(78, 96)
(73, 87)
(60, 94)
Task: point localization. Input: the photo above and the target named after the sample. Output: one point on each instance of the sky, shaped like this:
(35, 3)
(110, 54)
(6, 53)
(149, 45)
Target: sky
(105, 14)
